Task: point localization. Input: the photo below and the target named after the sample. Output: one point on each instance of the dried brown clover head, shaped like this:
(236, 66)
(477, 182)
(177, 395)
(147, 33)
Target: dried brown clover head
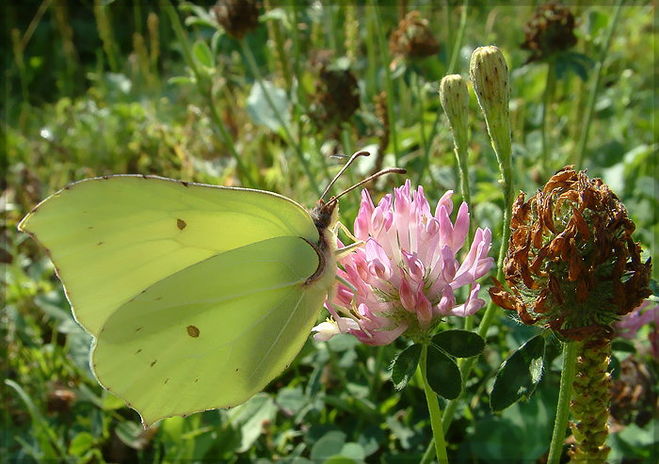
(237, 17)
(337, 96)
(413, 38)
(572, 265)
(550, 30)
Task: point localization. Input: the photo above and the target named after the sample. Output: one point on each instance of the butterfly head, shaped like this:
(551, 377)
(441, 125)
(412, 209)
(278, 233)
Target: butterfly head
(325, 214)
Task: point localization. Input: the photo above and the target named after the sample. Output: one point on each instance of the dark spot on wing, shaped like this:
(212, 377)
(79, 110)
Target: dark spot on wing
(192, 331)
(153, 363)
(138, 351)
(236, 369)
(138, 329)
(180, 223)
(196, 380)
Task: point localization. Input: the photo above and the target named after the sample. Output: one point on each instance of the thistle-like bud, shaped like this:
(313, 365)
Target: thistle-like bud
(413, 38)
(237, 17)
(572, 265)
(550, 30)
(489, 73)
(454, 97)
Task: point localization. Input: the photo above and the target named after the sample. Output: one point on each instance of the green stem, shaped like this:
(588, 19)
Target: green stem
(503, 148)
(547, 97)
(457, 44)
(433, 408)
(376, 382)
(204, 89)
(422, 126)
(563, 406)
(592, 97)
(389, 83)
(251, 61)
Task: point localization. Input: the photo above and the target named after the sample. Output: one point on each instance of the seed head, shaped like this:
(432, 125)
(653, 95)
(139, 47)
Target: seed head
(550, 30)
(237, 17)
(571, 264)
(413, 38)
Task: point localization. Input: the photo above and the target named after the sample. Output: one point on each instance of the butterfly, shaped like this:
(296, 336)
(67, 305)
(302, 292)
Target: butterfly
(197, 296)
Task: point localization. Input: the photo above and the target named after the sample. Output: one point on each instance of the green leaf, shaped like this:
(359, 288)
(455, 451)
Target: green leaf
(578, 63)
(328, 445)
(654, 287)
(443, 374)
(261, 111)
(404, 366)
(251, 416)
(459, 343)
(81, 443)
(519, 374)
(202, 54)
(131, 434)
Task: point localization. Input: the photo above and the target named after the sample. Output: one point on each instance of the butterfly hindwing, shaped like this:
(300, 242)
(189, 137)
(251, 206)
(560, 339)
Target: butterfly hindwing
(213, 334)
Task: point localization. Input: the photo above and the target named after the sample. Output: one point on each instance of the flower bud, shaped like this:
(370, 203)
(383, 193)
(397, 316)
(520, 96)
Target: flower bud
(489, 73)
(454, 97)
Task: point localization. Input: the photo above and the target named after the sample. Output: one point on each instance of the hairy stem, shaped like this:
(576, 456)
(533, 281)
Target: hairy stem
(433, 408)
(563, 406)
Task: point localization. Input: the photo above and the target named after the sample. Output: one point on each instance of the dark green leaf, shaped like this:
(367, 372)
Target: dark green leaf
(459, 343)
(578, 63)
(443, 374)
(202, 54)
(404, 366)
(519, 374)
(654, 287)
(328, 445)
(260, 109)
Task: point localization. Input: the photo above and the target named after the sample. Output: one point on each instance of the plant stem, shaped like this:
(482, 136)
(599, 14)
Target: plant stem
(547, 97)
(384, 56)
(563, 406)
(251, 61)
(422, 126)
(433, 408)
(205, 90)
(592, 97)
(502, 144)
(459, 38)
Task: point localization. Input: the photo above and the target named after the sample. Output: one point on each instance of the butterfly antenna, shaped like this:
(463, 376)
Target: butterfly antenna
(345, 166)
(368, 179)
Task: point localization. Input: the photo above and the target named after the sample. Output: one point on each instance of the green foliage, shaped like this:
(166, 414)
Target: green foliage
(519, 374)
(154, 90)
(404, 366)
(443, 374)
(459, 343)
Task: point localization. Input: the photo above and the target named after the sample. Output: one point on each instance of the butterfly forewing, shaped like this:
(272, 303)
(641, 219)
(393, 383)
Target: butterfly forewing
(111, 238)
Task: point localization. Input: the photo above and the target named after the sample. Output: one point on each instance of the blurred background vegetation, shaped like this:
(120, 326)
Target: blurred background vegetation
(271, 98)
